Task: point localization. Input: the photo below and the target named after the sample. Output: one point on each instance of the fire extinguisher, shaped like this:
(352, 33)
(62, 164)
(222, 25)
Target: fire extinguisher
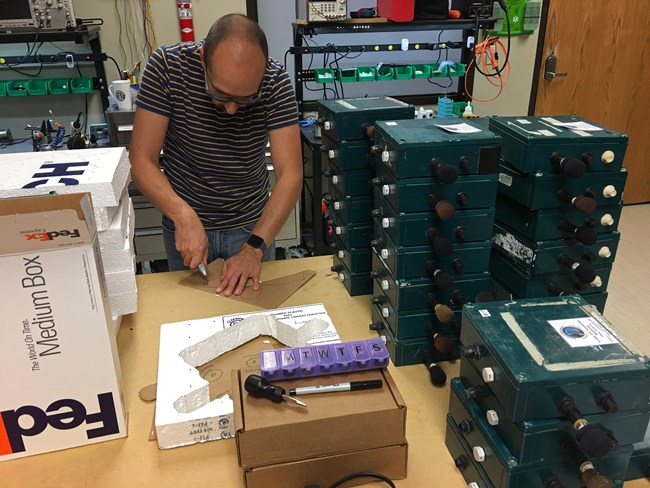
(185, 21)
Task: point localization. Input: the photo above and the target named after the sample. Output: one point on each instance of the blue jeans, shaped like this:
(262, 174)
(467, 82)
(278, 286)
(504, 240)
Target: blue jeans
(221, 244)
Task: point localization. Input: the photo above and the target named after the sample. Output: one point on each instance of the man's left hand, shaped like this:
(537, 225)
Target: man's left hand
(236, 271)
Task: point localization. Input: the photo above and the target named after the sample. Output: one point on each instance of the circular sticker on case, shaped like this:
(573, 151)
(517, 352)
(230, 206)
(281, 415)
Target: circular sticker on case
(573, 331)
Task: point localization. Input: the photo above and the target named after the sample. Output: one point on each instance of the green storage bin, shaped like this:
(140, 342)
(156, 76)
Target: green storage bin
(459, 107)
(17, 88)
(37, 87)
(421, 70)
(367, 73)
(436, 72)
(3, 88)
(403, 72)
(81, 85)
(324, 75)
(348, 74)
(457, 70)
(59, 86)
(385, 73)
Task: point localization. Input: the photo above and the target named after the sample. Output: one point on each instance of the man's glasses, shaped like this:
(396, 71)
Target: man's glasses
(242, 102)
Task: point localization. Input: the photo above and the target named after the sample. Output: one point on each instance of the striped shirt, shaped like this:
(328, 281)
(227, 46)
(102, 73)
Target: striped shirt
(214, 160)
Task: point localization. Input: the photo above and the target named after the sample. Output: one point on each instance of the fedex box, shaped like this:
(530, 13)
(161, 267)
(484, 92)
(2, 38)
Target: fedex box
(61, 384)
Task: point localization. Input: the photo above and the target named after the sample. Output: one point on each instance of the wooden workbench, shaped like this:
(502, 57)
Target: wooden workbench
(137, 462)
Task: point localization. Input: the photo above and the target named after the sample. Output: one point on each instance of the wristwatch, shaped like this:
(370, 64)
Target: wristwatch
(256, 242)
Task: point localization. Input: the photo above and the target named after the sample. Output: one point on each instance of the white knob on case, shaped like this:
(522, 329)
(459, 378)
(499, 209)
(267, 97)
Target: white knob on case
(335, 179)
(341, 277)
(338, 230)
(385, 285)
(385, 312)
(331, 154)
(337, 205)
(341, 254)
(479, 453)
(385, 190)
(609, 191)
(597, 283)
(384, 253)
(488, 374)
(604, 252)
(607, 157)
(327, 125)
(385, 156)
(607, 220)
(492, 417)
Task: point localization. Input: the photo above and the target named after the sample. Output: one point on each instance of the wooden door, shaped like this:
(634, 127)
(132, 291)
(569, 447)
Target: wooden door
(604, 48)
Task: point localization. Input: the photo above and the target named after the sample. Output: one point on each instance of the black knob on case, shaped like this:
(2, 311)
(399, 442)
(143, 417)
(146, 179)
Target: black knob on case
(441, 245)
(465, 163)
(606, 401)
(377, 273)
(377, 181)
(466, 426)
(447, 173)
(585, 234)
(376, 243)
(462, 198)
(376, 326)
(377, 212)
(458, 265)
(571, 167)
(336, 268)
(437, 374)
(460, 232)
(378, 299)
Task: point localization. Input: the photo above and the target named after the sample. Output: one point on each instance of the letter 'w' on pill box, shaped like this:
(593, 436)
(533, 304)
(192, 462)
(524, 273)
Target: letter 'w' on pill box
(55, 327)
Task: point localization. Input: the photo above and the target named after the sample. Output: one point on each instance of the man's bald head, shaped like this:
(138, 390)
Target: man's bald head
(234, 27)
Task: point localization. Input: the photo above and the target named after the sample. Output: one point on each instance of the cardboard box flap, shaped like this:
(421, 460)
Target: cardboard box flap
(46, 222)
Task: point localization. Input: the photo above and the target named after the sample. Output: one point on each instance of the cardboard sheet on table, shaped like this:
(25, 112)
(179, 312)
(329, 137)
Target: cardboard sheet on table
(271, 295)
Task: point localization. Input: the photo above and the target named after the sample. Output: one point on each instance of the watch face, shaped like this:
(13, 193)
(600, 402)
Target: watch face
(255, 241)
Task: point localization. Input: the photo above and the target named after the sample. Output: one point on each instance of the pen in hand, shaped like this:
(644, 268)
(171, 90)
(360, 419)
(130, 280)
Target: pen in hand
(336, 387)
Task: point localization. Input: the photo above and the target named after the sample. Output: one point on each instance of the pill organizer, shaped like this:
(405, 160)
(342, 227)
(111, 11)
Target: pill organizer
(343, 357)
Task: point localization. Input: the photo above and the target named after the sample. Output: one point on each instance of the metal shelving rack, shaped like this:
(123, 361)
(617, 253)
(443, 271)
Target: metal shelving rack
(82, 36)
(301, 76)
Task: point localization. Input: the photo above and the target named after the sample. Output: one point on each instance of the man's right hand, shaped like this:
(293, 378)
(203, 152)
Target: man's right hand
(191, 239)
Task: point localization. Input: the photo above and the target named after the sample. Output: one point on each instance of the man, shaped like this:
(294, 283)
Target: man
(211, 106)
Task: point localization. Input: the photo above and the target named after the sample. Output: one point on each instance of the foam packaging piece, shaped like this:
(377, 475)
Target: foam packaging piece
(55, 321)
(122, 258)
(112, 238)
(183, 397)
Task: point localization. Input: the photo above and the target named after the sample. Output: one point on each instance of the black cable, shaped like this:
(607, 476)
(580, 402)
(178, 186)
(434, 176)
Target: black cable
(26, 74)
(451, 82)
(505, 63)
(117, 66)
(368, 474)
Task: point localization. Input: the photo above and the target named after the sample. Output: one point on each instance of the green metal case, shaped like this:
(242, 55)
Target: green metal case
(355, 283)
(352, 236)
(411, 261)
(421, 194)
(524, 285)
(356, 260)
(344, 119)
(535, 440)
(639, 466)
(351, 183)
(406, 352)
(406, 147)
(502, 466)
(540, 190)
(529, 142)
(415, 325)
(544, 349)
(471, 470)
(413, 294)
(542, 225)
(347, 155)
(542, 256)
(350, 209)
(410, 229)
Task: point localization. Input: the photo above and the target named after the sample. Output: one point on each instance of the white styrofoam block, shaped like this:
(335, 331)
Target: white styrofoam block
(112, 238)
(117, 323)
(121, 282)
(102, 172)
(104, 216)
(183, 397)
(122, 259)
(123, 303)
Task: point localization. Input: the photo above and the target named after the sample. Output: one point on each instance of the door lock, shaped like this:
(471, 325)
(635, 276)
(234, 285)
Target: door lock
(550, 67)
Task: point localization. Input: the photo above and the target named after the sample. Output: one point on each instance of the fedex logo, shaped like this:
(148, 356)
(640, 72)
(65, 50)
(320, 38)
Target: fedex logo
(49, 236)
(65, 414)
(62, 171)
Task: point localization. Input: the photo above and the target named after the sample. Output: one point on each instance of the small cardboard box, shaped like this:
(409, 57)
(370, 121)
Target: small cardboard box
(333, 423)
(325, 471)
(61, 387)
